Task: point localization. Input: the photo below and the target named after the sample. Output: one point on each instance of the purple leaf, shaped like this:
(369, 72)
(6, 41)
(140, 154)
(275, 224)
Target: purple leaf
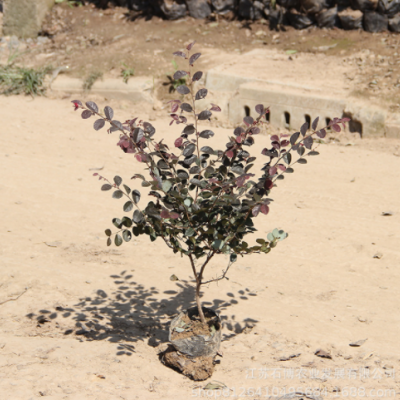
(294, 137)
(98, 124)
(116, 126)
(315, 124)
(256, 210)
(272, 171)
(304, 128)
(174, 107)
(180, 54)
(308, 142)
(284, 143)
(186, 107)
(206, 134)
(189, 46)
(197, 76)
(260, 109)
(204, 115)
(264, 209)
(179, 74)
(321, 133)
(86, 114)
(183, 89)
(215, 108)
(275, 138)
(249, 141)
(268, 184)
(336, 127)
(109, 112)
(189, 130)
(165, 213)
(194, 58)
(178, 142)
(276, 145)
(106, 186)
(137, 135)
(248, 120)
(92, 106)
(270, 153)
(254, 131)
(238, 131)
(174, 215)
(281, 167)
(201, 94)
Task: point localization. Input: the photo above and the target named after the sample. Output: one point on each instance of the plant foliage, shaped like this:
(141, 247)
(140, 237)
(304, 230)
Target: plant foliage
(205, 199)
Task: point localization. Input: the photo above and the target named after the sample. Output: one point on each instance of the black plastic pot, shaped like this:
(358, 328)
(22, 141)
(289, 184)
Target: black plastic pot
(201, 345)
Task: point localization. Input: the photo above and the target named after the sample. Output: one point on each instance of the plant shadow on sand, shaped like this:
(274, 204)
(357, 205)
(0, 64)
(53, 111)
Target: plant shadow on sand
(133, 313)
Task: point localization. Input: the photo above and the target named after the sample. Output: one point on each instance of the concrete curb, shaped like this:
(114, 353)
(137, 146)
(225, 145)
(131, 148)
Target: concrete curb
(291, 104)
(136, 90)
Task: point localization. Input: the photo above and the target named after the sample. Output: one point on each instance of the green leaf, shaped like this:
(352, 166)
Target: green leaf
(287, 157)
(189, 232)
(282, 235)
(301, 161)
(117, 194)
(218, 244)
(166, 185)
(138, 217)
(128, 206)
(108, 232)
(127, 235)
(270, 237)
(275, 233)
(187, 202)
(118, 240)
(117, 222)
(109, 241)
(127, 189)
(146, 184)
(135, 196)
(260, 241)
(106, 186)
(126, 221)
(233, 257)
(117, 180)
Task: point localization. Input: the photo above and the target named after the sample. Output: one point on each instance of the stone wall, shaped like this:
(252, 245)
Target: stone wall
(23, 18)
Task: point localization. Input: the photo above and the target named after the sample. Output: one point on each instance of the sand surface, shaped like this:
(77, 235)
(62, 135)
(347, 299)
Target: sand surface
(79, 320)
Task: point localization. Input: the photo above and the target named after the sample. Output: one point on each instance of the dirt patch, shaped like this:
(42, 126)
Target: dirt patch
(198, 369)
(94, 42)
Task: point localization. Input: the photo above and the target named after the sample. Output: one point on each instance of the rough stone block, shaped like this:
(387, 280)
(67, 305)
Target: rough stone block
(23, 18)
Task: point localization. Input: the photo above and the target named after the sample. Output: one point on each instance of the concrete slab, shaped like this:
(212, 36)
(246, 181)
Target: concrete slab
(23, 18)
(288, 109)
(296, 89)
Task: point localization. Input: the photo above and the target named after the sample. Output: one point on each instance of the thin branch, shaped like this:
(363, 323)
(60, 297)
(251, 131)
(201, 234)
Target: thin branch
(16, 298)
(221, 277)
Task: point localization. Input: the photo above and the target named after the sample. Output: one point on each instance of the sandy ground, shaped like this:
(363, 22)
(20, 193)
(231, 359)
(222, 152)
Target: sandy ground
(79, 320)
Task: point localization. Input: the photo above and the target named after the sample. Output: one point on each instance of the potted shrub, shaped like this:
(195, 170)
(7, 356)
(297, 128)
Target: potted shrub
(205, 199)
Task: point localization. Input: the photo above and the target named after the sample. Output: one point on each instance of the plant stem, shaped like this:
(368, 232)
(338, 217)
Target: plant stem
(199, 280)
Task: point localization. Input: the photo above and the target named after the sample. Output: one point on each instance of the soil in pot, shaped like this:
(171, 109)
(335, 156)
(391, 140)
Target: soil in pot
(194, 327)
(194, 344)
